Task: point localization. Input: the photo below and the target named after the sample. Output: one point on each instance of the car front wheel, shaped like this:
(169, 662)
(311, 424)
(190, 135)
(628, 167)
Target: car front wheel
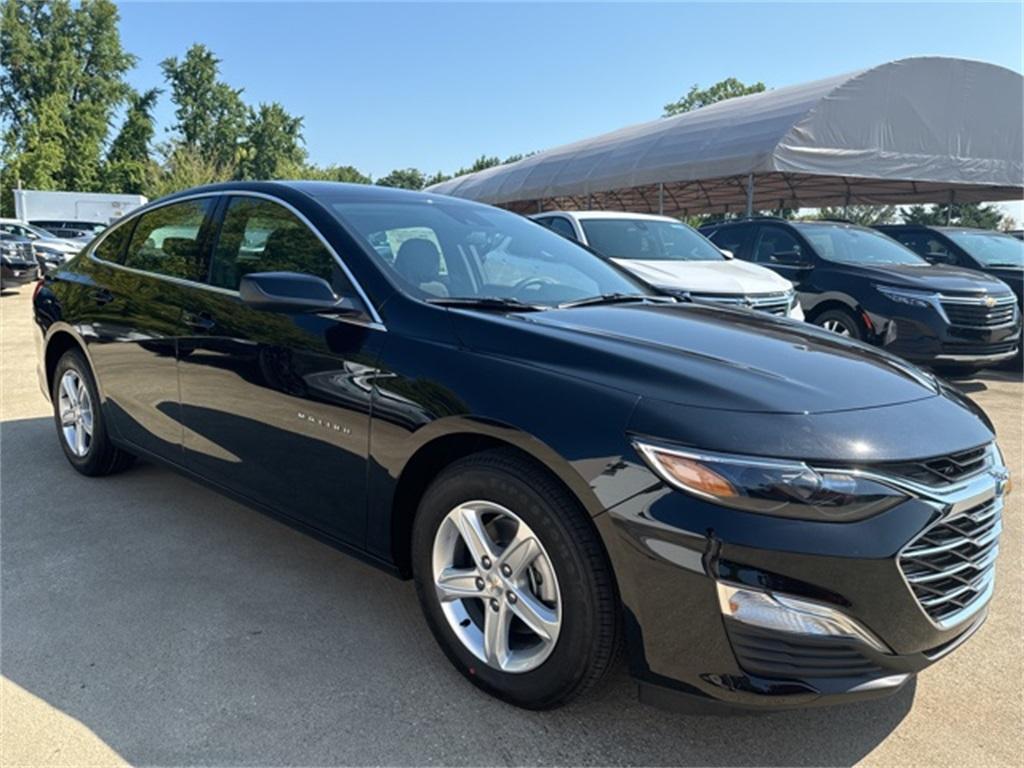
(514, 582)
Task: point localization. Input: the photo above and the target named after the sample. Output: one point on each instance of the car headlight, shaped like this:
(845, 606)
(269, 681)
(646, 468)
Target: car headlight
(907, 296)
(777, 487)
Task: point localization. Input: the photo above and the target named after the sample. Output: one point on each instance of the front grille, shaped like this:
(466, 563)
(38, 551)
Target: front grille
(941, 470)
(772, 303)
(20, 254)
(769, 655)
(952, 563)
(973, 312)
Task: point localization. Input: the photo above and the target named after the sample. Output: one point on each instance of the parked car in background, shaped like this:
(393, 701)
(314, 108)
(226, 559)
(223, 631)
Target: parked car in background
(862, 284)
(17, 260)
(767, 514)
(82, 231)
(997, 253)
(675, 258)
(51, 251)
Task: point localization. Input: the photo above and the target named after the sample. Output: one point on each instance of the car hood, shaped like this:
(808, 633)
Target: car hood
(702, 356)
(64, 246)
(725, 277)
(939, 278)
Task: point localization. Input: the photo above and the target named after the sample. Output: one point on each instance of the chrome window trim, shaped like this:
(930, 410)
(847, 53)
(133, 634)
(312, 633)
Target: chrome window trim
(375, 320)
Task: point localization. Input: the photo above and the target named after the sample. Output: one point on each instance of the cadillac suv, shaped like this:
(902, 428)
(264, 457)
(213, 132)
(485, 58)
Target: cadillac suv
(762, 513)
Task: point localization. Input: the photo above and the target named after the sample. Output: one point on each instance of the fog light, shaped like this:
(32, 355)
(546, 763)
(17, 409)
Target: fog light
(781, 613)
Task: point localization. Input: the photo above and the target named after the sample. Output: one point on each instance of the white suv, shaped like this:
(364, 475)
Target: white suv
(676, 258)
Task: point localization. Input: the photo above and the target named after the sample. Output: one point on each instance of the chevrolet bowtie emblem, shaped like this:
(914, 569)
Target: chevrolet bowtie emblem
(990, 301)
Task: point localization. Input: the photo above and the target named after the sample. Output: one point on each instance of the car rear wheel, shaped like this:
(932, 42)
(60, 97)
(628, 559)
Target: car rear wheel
(514, 582)
(840, 322)
(80, 425)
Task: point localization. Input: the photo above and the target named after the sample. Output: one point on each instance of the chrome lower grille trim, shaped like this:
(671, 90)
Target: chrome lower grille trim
(950, 566)
(772, 303)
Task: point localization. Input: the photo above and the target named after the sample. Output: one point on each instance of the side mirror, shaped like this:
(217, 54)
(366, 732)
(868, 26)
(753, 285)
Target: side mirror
(727, 253)
(791, 259)
(940, 258)
(291, 292)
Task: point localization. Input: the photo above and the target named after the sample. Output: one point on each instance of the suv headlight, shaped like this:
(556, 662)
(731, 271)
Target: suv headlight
(777, 487)
(908, 296)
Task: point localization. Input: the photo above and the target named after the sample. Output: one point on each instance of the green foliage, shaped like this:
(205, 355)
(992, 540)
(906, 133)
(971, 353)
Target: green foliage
(273, 145)
(129, 166)
(697, 97)
(61, 81)
(866, 215)
(182, 167)
(404, 178)
(211, 114)
(344, 173)
(980, 215)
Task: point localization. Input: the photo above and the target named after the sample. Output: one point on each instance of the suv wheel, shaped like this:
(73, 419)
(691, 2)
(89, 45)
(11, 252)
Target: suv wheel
(841, 322)
(514, 582)
(79, 419)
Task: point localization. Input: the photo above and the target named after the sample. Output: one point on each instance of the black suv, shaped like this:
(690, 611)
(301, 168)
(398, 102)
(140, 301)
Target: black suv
(563, 459)
(862, 284)
(998, 253)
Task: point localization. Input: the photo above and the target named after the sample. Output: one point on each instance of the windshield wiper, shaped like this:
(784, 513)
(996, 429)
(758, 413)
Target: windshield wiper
(486, 302)
(616, 298)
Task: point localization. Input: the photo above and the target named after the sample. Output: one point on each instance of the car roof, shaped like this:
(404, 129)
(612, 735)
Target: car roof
(314, 189)
(607, 215)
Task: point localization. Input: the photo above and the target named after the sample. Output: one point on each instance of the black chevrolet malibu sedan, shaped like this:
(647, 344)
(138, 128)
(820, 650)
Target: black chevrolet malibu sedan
(762, 513)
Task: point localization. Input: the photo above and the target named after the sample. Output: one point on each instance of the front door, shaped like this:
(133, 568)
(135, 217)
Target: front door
(276, 405)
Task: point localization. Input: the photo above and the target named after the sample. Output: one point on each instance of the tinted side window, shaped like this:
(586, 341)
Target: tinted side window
(113, 245)
(562, 227)
(923, 244)
(731, 239)
(166, 241)
(261, 236)
(776, 240)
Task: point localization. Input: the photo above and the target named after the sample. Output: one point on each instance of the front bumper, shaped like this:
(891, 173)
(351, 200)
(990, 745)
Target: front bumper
(671, 551)
(18, 273)
(925, 335)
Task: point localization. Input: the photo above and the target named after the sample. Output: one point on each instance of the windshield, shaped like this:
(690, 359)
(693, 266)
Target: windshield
(39, 231)
(991, 249)
(853, 245)
(438, 249)
(648, 240)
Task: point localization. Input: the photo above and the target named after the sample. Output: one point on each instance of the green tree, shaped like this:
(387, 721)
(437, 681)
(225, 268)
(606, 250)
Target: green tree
(866, 215)
(182, 167)
(61, 80)
(345, 173)
(404, 178)
(272, 148)
(211, 116)
(698, 97)
(129, 166)
(980, 215)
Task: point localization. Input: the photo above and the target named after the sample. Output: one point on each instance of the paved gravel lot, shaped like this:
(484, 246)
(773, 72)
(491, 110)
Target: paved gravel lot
(146, 619)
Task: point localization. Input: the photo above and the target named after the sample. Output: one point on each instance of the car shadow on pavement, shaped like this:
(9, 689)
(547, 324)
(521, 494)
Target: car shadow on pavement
(183, 628)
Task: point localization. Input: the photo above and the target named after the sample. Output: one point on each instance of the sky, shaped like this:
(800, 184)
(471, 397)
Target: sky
(433, 86)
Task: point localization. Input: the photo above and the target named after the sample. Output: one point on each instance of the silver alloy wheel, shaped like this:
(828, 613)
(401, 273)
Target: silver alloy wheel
(496, 586)
(836, 327)
(75, 408)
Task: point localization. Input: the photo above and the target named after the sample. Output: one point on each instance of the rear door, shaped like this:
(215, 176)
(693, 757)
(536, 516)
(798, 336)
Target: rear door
(142, 272)
(276, 405)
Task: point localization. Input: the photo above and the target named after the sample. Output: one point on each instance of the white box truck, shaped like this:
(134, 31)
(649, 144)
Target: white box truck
(34, 205)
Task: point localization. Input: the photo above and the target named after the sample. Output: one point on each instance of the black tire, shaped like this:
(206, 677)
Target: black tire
(101, 456)
(842, 319)
(589, 641)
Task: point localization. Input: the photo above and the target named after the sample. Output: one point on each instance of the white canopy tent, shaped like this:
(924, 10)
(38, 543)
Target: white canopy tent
(926, 129)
